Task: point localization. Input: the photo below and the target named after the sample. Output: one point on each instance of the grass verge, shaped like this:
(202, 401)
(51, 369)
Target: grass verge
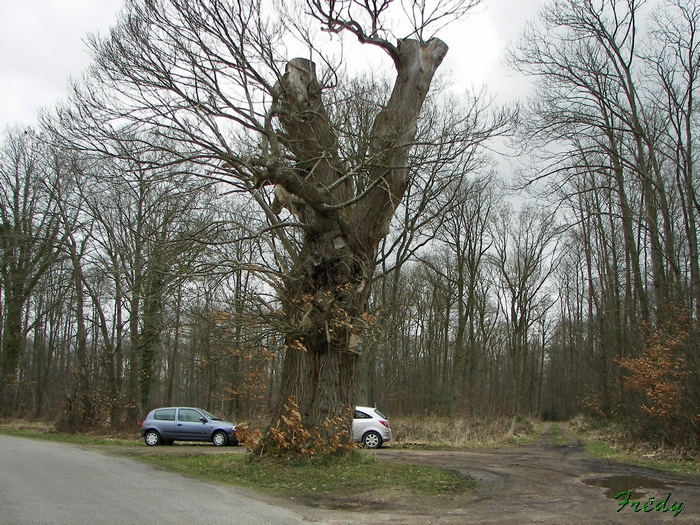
(356, 474)
(609, 441)
(599, 448)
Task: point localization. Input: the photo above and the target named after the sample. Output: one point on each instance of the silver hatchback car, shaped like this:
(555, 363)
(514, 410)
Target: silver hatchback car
(370, 427)
(165, 425)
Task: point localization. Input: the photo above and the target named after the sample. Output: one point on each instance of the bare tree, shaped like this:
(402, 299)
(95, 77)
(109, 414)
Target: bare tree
(673, 58)
(613, 109)
(465, 233)
(211, 76)
(590, 97)
(29, 240)
(525, 258)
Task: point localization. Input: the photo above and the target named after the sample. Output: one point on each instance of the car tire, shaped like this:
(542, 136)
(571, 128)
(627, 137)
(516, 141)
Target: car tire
(372, 440)
(152, 438)
(219, 438)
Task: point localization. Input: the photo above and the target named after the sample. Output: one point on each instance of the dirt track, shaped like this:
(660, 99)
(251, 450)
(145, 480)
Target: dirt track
(538, 483)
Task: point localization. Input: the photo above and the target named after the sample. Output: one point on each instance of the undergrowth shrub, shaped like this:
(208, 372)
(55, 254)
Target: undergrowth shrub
(290, 437)
(661, 405)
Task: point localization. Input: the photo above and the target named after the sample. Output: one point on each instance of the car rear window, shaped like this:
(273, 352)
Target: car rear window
(165, 415)
(379, 413)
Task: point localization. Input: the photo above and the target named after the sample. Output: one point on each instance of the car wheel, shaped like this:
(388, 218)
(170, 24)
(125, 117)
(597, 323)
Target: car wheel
(152, 438)
(219, 439)
(372, 440)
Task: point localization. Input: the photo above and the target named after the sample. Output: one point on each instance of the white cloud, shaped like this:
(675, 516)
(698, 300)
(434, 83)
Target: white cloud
(41, 45)
(474, 49)
(477, 46)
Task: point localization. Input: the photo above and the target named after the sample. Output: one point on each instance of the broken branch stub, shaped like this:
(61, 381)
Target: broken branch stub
(393, 134)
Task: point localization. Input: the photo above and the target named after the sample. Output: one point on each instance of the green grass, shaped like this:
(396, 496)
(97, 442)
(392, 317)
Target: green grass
(610, 441)
(529, 437)
(600, 449)
(558, 437)
(356, 474)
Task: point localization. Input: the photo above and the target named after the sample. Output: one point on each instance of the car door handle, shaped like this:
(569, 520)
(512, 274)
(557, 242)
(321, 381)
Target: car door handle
(179, 424)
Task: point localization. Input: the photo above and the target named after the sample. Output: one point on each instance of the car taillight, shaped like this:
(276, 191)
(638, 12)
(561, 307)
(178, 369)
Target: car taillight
(385, 423)
(143, 424)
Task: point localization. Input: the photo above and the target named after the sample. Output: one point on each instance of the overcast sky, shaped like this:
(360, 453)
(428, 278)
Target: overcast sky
(42, 45)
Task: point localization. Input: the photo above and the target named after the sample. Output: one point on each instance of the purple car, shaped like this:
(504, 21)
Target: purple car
(165, 425)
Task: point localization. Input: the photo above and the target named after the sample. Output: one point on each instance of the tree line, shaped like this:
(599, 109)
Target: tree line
(184, 223)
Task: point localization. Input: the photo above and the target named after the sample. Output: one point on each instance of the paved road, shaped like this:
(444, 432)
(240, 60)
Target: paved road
(45, 483)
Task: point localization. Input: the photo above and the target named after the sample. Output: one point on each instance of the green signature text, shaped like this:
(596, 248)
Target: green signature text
(624, 498)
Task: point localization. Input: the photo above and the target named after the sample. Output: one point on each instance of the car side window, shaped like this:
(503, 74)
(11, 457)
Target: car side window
(165, 415)
(187, 414)
(361, 415)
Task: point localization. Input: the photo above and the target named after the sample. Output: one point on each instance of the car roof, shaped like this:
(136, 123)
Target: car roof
(172, 408)
(368, 409)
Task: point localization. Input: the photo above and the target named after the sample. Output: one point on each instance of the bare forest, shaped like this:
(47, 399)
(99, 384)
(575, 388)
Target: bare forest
(214, 218)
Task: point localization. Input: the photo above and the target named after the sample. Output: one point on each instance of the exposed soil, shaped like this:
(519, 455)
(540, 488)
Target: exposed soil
(537, 483)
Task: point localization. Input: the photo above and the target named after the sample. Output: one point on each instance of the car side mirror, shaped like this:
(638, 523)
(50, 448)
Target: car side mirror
(203, 419)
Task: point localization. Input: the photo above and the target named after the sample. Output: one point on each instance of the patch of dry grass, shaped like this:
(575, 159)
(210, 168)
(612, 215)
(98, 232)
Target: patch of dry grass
(23, 424)
(445, 431)
(47, 430)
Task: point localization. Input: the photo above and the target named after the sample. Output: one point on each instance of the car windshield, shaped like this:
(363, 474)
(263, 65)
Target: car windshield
(209, 415)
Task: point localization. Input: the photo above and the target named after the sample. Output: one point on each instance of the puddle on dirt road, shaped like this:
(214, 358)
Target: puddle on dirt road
(617, 484)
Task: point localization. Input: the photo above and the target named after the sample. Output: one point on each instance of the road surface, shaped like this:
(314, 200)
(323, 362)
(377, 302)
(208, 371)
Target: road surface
(46, 483)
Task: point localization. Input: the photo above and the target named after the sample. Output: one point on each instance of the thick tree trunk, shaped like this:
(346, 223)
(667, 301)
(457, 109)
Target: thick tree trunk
(325, 296)
(132, 405)
(81, 410)
(12, 346)
(150, 334)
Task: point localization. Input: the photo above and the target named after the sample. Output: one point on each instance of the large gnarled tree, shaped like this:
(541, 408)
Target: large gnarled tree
(212, 75)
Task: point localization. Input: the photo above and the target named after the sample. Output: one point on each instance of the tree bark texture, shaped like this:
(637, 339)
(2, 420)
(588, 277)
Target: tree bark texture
(325, 295)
